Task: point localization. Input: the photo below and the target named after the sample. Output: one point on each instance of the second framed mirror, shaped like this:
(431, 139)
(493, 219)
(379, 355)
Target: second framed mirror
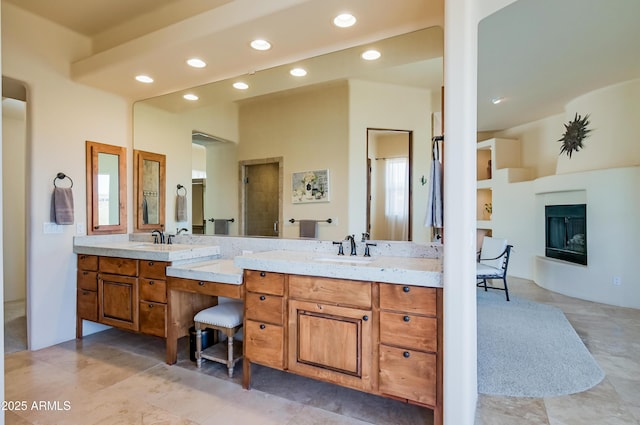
(149, 187)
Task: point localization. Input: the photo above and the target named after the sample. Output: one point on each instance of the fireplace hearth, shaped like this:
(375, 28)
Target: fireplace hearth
(566, 232)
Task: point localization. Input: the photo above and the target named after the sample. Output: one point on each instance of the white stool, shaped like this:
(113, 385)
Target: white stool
(225, 317)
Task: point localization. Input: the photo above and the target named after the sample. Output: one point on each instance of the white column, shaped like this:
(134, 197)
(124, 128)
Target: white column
(460, 92)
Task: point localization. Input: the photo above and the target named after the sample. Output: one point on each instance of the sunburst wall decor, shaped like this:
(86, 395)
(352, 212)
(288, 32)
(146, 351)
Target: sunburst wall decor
(575, 132)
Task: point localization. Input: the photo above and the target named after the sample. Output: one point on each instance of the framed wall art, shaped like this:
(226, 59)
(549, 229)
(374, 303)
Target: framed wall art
(310, 186)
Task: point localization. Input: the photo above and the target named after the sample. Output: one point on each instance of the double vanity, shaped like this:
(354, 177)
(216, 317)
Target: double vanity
(369, 323)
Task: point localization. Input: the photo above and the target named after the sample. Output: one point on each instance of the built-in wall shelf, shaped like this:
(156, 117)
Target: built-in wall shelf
(498, 164)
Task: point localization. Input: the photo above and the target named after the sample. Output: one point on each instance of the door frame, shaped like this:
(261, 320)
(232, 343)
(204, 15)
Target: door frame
(242, 175)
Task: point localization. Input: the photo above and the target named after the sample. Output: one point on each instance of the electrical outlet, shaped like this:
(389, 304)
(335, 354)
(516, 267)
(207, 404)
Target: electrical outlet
(617, 280)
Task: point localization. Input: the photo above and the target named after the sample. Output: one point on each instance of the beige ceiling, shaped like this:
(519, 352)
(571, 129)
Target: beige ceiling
(538, 54)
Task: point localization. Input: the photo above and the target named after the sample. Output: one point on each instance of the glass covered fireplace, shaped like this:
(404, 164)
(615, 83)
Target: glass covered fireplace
(566, 232)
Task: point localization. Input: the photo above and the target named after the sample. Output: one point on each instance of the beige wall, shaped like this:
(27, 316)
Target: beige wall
(63, 115)
(309, 129)
(14, 161)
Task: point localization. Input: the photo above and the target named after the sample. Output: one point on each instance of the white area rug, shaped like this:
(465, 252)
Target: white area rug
(527, 349)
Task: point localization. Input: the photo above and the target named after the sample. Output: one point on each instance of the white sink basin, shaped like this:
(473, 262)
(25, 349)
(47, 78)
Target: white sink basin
(345, 259)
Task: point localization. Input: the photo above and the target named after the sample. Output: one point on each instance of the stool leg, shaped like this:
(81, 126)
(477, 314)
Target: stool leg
(230, 355)
(198, 345)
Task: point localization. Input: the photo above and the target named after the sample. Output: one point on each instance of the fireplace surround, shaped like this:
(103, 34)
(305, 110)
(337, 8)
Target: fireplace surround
(566, 232)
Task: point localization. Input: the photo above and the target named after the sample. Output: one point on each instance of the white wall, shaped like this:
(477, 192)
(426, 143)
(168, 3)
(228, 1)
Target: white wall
(14, 151)
(605, 170)
(63, 115)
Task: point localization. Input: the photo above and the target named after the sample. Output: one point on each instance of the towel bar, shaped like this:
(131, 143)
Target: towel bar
(293, 220)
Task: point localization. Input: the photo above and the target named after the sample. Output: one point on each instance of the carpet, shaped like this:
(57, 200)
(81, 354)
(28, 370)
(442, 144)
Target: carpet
(527, 349)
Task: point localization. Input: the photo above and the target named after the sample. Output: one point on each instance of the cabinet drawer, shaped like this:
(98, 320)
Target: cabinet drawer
(264, 308)
(121, 266)
(334, 291)
(153, 269)
(410, 299)
(153, 290)
(88, 262)
(87, 280)
(264, 343)
(87, 305)
(264, 282)
(405, 330)
(206, 288)
(408, 374)
(153, 318)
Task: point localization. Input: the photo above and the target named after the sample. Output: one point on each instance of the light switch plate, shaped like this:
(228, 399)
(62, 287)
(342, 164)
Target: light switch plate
(81, 229)
(49, 228)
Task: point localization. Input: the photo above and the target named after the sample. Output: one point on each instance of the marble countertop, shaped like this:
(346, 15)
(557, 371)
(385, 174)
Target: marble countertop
(223, 271)
(399, 270)
(147, 250)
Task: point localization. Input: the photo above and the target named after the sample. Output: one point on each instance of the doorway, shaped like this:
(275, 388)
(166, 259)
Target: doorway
(389, 194)
(261, 195)
(14, 190)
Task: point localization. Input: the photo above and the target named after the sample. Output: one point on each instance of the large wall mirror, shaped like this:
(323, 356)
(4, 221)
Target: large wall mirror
(315, 122)
(149, 183)
(106, 167)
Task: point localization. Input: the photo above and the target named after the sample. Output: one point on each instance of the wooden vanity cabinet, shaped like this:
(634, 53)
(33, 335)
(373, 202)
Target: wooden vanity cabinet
(264, 331)
(122, 292)
(410, 347)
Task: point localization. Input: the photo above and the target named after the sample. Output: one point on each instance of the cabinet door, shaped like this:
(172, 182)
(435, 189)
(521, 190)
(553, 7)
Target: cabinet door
(118, 301)
(153, 318)
(331, 343)
(408, 374)
(87, 305)
(264, 343)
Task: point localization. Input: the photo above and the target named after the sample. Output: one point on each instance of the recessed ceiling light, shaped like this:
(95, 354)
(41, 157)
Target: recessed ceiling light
(240, 85)
(298, 72)
(497, 100)
(371, 55)
(260, 44)
(344, 20)
(196, 63)
(190, 96)
(144, 78)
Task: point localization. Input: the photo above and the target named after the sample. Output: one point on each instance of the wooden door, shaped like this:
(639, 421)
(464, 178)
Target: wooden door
(331, 343)
(118, 301)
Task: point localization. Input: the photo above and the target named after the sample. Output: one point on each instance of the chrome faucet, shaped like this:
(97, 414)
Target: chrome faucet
(352, 242)
(158, 236)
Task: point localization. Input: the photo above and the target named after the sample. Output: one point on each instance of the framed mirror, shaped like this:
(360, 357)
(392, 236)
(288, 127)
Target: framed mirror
(106, 168)
(149, 185)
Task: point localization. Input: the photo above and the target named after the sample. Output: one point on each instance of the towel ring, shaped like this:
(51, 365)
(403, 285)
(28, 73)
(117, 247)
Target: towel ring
(181, 187)
(62, 176)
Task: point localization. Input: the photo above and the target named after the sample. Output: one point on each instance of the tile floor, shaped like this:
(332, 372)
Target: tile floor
(116, 377)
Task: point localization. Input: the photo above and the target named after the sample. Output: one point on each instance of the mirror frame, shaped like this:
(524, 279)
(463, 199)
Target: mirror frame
(138, 174)
(93, 149)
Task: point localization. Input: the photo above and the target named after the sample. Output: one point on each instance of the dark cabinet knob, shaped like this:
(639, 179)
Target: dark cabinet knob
(262, 274)
(151, 282)
(365, 318)
(406, 354)
(406, 318)
(150, 263)
(201, 283)
(85, 273)
(150, 305)
(262, 298)
(405, 289)
(262, 326)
